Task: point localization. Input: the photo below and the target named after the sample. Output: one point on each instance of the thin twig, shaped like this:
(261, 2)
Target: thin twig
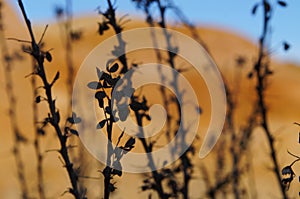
(293, 155)
(43, 35)
(297, 123)
(18, 40)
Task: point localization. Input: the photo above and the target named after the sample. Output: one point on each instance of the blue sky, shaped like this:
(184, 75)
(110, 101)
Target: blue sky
(232, 15)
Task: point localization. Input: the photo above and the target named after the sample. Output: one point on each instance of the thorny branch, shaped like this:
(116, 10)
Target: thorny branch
(53, 116)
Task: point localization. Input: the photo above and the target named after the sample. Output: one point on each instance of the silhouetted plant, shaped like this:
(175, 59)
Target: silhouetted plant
(18, 138)
(241, 136)
(39, 131)
(261, 72)
(185, 168)
(53, 117)
(287, 172)
(155, 182)
(234, 143)
(110, 20)
(107, 82)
